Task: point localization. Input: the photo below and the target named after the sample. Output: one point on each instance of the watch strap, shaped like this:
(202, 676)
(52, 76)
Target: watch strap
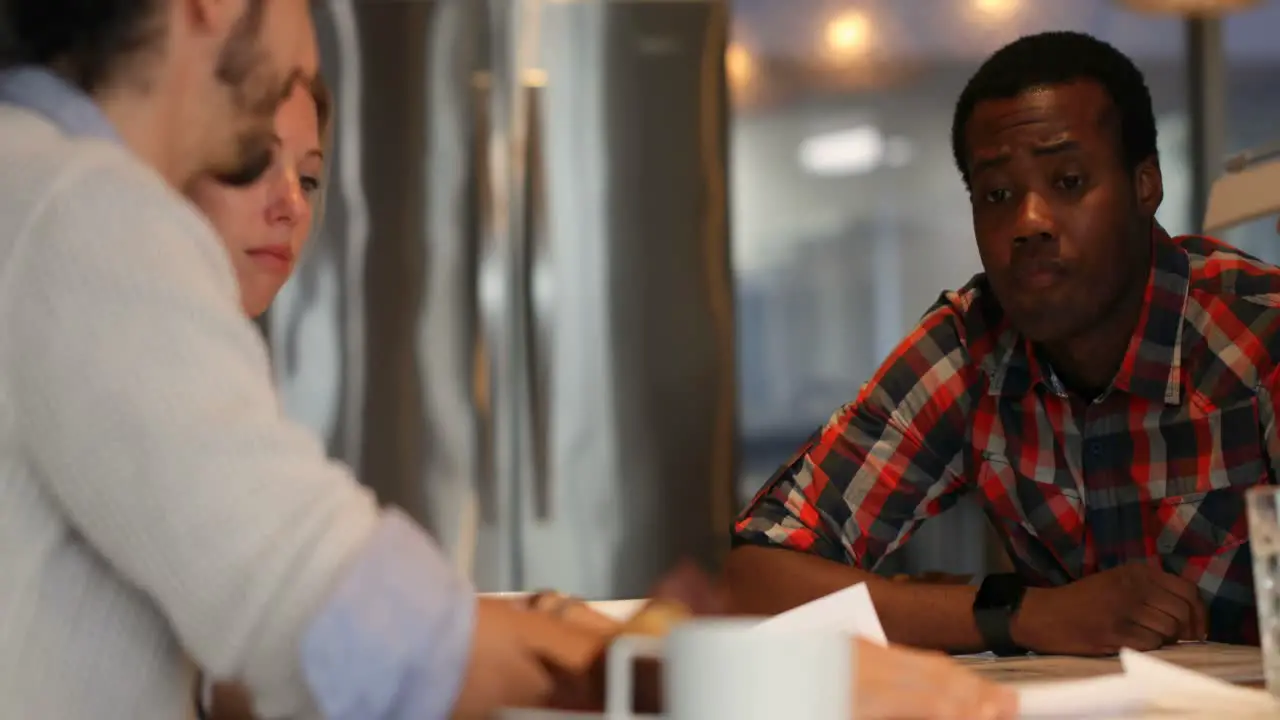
(997, 602)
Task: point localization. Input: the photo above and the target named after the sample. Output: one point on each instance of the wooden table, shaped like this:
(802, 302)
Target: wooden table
(1231, 663)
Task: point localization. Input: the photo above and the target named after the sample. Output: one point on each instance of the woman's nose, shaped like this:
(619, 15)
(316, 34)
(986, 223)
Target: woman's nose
(289, 200)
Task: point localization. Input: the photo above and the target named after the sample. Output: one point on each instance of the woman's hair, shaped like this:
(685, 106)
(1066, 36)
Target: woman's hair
(323, 98)
(319, 92)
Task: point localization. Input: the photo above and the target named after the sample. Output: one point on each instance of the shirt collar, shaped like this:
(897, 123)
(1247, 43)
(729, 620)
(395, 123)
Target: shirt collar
(1152, 364)
(42, 91)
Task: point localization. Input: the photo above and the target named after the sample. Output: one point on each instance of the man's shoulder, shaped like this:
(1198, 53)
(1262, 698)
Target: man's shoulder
(38, 162)
(1233, 303)
(36, 148)
(1229, 274)
(90, 203)
(93, 180)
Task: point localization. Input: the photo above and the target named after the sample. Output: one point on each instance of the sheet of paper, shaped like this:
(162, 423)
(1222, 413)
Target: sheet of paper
(1170, 687)
(1099, 697)
(850, 611)
(1148, 688)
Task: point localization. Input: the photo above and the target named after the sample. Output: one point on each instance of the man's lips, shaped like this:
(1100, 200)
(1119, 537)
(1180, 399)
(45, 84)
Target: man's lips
(273, 259)
(1038, 275)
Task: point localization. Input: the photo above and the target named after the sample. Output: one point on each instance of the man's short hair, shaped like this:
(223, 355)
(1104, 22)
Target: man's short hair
(1055, 58)
(85, 40)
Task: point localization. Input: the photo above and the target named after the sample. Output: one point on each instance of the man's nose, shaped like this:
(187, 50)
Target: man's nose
(1035, 220)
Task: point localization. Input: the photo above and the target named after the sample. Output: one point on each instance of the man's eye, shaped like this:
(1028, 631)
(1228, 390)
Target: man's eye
(1070, 182)
(998, 195)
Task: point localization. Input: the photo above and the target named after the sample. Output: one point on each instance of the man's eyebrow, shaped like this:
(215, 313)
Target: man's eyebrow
(1055, 148)
(992, 162)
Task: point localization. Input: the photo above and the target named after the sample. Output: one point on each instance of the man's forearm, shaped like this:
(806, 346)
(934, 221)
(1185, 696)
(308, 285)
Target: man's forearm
(766, 581)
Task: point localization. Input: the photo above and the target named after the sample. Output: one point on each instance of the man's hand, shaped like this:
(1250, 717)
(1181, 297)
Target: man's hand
(503, 670)
(896, 682)
(532, 658)
(1137, 606)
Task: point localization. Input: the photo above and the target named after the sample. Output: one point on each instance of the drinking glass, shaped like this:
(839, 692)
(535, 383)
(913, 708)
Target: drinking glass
(1264, 540)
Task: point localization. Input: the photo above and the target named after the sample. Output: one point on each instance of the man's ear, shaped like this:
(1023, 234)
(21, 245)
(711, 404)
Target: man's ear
(1148, 184)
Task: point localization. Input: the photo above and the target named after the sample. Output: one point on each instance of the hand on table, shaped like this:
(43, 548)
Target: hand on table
(890, 682)
(503, 669)
(1138, 606)
(572, 611)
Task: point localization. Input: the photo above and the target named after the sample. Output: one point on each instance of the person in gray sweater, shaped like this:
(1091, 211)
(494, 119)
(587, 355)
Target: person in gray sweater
(157, 510)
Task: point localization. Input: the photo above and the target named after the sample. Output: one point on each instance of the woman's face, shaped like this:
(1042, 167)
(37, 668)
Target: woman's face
(265, 225)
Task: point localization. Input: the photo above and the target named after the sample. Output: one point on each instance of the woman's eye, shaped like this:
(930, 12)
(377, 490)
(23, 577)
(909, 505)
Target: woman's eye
(309, 184)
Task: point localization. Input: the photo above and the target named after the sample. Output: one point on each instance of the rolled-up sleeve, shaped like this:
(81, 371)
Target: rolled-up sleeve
(393, 641)
(883, 463)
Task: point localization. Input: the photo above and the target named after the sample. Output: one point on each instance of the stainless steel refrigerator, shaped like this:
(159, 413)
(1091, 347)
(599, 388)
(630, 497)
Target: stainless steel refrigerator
(516, 321)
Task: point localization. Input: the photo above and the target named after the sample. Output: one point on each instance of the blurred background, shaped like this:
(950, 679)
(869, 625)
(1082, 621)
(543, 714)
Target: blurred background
(591, 270)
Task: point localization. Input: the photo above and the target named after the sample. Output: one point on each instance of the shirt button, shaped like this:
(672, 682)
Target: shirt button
(1095, 448)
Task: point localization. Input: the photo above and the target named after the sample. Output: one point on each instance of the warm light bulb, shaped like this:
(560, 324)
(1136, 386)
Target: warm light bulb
(740, 65)
(996, 9)
(1190, 7)
(848, 34)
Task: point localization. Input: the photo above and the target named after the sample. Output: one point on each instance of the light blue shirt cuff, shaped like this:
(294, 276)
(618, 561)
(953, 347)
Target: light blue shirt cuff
(393, 641)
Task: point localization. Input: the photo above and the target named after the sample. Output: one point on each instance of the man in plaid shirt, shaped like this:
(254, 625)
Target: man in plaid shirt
(1109, 394)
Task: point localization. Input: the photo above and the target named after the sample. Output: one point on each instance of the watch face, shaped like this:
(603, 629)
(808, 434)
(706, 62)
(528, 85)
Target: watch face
(999, 591)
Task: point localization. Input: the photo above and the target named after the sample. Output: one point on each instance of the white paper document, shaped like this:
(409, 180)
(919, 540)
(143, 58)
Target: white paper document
(1148, 688)
(1172, 688)
(1101, 697)
(850, 611)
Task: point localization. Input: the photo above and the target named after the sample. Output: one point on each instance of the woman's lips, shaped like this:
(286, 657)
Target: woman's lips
(275, 260)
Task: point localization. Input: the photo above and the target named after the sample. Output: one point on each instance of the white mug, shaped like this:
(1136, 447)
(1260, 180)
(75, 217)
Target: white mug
(729, 668)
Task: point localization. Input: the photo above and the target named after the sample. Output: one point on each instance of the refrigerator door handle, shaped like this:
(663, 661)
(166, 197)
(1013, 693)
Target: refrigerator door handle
(486, 339)
(533, 253)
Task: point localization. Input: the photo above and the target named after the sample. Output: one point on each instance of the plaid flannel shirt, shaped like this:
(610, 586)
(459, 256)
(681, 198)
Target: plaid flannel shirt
(1156, 467)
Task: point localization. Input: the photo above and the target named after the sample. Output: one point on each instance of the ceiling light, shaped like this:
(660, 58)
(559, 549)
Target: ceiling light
(995, 9)
(1189, 7)
(854, 151)
(739, 64)
(848, 34)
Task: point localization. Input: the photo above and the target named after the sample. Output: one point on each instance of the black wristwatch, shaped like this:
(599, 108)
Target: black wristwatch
(997, 603)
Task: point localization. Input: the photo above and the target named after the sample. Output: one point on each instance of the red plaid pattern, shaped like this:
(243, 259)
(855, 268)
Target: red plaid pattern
(1154, 468)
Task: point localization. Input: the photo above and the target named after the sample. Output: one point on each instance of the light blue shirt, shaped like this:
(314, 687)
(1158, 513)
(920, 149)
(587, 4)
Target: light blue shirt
(393, 640)
(39, 90)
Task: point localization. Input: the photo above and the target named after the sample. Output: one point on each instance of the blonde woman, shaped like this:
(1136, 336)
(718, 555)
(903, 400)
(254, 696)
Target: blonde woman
(265, 225)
